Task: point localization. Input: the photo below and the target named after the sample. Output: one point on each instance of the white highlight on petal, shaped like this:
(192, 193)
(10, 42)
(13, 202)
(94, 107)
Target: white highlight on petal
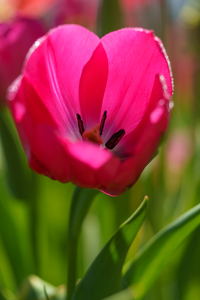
(171, 105)
(164, 85)
(168, 101)
(162, 48)
(13, 88)
(32, 49)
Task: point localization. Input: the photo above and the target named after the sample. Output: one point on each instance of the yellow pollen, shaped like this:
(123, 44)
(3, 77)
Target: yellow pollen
(93, 135)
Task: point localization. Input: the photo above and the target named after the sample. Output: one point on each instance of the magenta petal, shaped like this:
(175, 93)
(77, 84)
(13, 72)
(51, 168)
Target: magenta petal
(59, 159)
(28, 111)
(158, 104)
(54, 156)
(92, 86)
(135, 56)
(91, 166)
(60, 57)
(48, 156)
(143, 142)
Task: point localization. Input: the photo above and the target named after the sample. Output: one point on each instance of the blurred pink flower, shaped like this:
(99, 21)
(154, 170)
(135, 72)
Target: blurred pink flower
(178, 151)
(16, 37)
(56, 12)
(31, 7)
(82, 12)
(92, 111)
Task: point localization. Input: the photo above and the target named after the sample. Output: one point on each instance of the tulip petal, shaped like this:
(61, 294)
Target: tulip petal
(66, 161)
(159, 99)
(48, 156)
(92, 86)
(91, 166)
(60, 57)
(135, 56)
(143, 141)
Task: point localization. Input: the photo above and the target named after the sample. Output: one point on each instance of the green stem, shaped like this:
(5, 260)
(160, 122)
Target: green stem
(33, 210)
(72, 267)
(81, 201)
(109, 17)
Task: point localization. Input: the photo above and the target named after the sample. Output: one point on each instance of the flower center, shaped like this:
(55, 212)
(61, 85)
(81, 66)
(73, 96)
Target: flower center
(94, 134)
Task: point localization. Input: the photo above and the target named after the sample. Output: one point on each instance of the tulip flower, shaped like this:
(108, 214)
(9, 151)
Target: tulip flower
(83, 12)
(16, 37)
(54, 12)
(93, 111)
(179, 151)
(31, 7)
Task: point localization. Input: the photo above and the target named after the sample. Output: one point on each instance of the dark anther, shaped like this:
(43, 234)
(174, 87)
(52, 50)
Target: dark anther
(102, 122)
(80, 124)
(115, 138)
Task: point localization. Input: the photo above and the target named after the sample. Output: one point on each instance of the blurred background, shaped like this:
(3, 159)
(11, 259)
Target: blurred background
(34, 210)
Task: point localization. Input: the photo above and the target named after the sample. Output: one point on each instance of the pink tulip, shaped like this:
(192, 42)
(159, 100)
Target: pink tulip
(83, 12)
(92, 111)
(56, 12)
(178, 151)
(16, 37)
(31, 7)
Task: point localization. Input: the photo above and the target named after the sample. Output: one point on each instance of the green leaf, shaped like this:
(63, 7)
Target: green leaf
(148, 263)
(18, 173)
(122, 295)
(14, 235)
(7, 277)
(7, 295)
(81, 201)
(60, 293)
(109, 17)
(34, 288)
(104, 276)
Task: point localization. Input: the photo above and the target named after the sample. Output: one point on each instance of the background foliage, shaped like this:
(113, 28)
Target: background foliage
(34, 210)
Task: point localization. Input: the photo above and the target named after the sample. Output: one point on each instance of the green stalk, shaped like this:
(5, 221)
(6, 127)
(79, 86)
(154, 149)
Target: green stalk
(109, 17)
(81, 201)
(33, 214)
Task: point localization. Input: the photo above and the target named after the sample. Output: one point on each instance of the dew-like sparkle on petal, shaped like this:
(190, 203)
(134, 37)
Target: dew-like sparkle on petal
(162, 48)
(13, 88)
(32, 49)
(171, 105)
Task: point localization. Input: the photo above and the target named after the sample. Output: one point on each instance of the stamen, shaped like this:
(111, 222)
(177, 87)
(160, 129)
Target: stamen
(115, 138)
(80, 124)
(102, 122)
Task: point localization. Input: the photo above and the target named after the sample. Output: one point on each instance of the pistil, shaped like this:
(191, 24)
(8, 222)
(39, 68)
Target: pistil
(93, 135)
